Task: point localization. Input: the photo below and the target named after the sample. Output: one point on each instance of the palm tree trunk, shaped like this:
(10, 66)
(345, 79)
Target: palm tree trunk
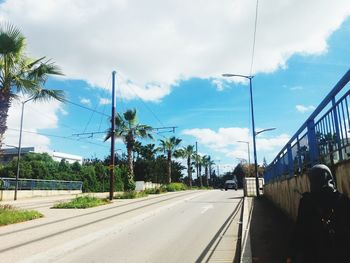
(189, 171)
(169, 167)
(210, 173)
(130, 161)
(206, 176)
(200, 175)
(4, 108)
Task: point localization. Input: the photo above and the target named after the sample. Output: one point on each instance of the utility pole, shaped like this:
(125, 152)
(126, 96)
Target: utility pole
(20, 147)
(111, 166)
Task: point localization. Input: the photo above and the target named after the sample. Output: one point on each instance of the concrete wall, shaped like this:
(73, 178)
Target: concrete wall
(142, 185)
(286, 194)
(6, 195)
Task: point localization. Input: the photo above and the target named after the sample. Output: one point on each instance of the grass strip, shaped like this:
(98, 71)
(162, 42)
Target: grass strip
(11, 215)
(131, 195)
(82, 202)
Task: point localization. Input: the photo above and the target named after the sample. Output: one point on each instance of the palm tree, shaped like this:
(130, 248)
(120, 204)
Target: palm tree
(187, 152)
(206, 160)
(128, 130)
(198, 161)
(148, 151)
(211, 162)
(20, 74)
(207, 163)
(169, 146)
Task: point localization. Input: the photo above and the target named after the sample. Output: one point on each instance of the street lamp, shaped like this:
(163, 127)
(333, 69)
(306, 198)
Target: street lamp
(264, 130)
(19, 146)
(253, 126)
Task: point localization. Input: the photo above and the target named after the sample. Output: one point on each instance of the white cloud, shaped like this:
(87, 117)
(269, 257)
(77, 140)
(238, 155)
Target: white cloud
(42, 115)
(271, 144)
(63, 111)
(157, 43)
(85, 101)
(295, 88)
(104, 101)
(303, 109)
(225, 141)
(220, 139)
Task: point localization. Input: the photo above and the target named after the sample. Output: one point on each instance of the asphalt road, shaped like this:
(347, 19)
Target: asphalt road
(175, 227)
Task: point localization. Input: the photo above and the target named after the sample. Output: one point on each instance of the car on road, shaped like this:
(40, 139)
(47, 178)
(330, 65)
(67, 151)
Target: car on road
(231, 184)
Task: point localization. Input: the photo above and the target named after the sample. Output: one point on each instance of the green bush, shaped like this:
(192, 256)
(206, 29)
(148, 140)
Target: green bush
(131, 195)
(173, 187)
(156, 191)
(82, 202)
(11, 215)
(129, 183)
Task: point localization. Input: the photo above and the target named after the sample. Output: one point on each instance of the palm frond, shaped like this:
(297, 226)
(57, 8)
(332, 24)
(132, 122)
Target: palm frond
(47, 94)
(41, 72)
(130, 117)
(11, 40)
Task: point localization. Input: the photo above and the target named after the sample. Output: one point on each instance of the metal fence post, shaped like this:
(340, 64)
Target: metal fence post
(337, 131)
(312, 140)
(290, 160)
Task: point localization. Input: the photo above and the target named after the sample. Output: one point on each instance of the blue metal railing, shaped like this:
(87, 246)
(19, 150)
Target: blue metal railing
(37, 184)
(323, 138)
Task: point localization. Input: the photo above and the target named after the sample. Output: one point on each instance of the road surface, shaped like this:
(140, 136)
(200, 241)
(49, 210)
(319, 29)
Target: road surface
(187, 226)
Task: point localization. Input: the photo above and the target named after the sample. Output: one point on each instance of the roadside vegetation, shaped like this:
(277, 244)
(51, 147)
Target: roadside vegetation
(173, 187)
(10, 215)
(82, 202)
(131, 195)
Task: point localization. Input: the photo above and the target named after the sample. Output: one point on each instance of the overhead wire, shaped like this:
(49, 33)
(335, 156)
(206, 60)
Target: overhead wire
(147, 107)
(86, 108)
(50, 118)
(254, 37)
(252, 57)
(58, 136)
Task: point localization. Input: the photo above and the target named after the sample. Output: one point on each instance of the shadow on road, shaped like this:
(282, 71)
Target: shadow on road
(270, 232)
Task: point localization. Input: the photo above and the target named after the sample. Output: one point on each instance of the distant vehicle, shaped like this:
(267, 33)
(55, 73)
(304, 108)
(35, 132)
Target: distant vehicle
(231, 184)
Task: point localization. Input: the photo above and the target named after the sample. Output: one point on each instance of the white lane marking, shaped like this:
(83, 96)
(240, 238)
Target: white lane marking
(206, 208)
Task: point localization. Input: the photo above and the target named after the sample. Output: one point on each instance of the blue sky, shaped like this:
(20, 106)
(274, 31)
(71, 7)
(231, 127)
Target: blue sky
(169, 68)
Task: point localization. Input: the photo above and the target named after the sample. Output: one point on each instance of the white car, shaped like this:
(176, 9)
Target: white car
(231, 184)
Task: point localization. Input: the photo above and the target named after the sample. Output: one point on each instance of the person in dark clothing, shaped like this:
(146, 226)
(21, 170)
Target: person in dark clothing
(322, 231)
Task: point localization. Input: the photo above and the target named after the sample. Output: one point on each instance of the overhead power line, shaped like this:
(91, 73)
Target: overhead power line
(158, 131)
(254, 37)
(87, 108)
(58, 136)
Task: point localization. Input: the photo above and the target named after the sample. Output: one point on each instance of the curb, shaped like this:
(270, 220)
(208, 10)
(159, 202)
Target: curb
(246, 251)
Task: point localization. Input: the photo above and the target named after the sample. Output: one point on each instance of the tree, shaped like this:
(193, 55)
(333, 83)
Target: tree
(205, 162)
(169, 146)
(187, 153)
(128, 130)
(198, 162)
(144, 167)
(20, 74)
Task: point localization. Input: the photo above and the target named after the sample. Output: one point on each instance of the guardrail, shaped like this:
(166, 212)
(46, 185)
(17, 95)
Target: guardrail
(323, 138)
(37, 184)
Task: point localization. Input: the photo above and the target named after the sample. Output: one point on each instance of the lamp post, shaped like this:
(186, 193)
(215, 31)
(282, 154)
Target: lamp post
(253, 127)
(112, 161)
(19, 147)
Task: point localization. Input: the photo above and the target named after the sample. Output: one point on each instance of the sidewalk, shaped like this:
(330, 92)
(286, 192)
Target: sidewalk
(270, 232)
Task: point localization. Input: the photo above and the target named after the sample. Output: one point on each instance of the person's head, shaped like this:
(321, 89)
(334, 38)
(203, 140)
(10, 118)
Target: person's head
(321, 179)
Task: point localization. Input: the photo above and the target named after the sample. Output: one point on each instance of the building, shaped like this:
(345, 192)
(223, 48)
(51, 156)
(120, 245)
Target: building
(8, 154)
